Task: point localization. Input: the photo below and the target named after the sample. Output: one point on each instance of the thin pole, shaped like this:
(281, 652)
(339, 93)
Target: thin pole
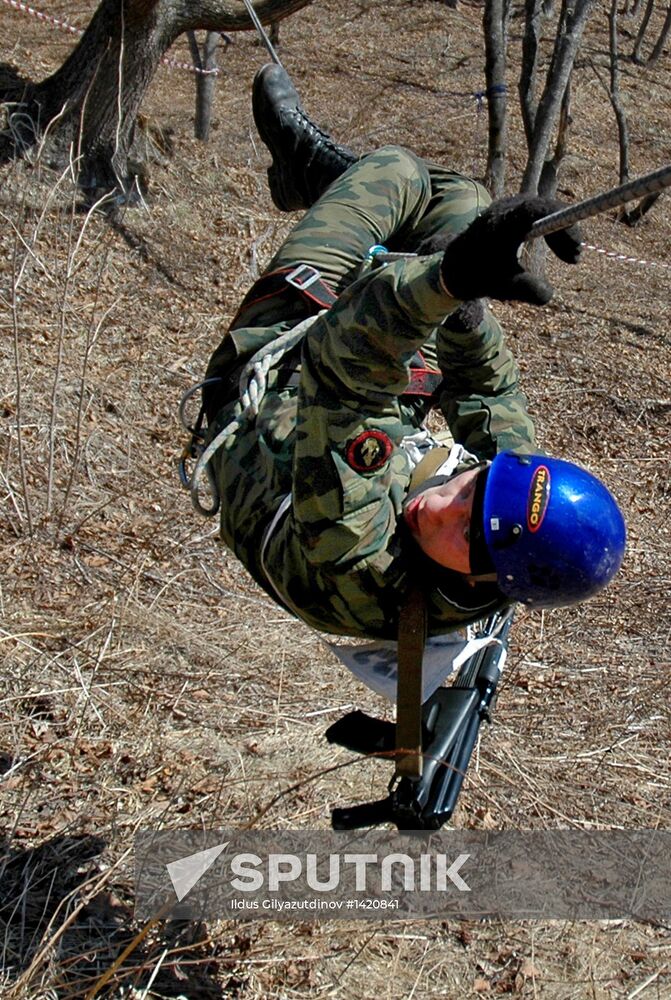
(262, 32)
(638, 188)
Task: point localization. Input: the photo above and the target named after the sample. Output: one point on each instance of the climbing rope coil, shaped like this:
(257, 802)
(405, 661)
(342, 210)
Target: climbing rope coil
(252, 389)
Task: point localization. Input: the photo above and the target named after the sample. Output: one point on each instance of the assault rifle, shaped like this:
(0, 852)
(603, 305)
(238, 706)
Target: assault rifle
(451, 720)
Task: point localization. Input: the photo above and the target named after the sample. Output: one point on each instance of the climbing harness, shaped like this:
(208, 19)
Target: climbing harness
(318, 296)
(307, 281)
(304, 279)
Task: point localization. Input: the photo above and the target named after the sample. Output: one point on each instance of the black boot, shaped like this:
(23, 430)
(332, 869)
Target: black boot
(305, 159)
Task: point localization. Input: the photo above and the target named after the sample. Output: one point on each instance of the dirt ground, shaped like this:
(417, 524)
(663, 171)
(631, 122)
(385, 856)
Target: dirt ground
(148, 681)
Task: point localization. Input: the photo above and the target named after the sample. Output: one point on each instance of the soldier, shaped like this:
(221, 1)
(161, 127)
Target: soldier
(333, 494)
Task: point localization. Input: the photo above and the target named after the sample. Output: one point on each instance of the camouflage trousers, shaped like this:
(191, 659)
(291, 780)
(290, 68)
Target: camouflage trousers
(390, 197)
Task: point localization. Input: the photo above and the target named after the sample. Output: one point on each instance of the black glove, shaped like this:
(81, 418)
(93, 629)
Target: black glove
(483, 260)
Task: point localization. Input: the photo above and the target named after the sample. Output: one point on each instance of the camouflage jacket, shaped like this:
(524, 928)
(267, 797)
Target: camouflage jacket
(327, 450)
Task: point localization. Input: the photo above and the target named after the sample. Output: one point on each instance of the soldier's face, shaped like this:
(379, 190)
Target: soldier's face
(440, 518)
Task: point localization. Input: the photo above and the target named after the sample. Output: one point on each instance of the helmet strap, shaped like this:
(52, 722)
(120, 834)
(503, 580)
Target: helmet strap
(428, 467)
(479, 557)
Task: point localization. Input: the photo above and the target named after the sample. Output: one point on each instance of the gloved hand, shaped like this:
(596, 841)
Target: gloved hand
(483, 260)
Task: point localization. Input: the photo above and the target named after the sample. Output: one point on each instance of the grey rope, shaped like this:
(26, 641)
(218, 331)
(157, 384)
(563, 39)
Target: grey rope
(262, 32)
(253, 383)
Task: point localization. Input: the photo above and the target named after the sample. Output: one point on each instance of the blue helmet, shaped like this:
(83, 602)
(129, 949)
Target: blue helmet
(553, 532)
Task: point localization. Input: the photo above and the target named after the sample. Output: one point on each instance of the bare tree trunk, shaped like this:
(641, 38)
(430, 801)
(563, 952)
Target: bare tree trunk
(205, 80)
(661, 41)
(633, 216)
(550, 173)
(527, 87)
(540, 116)
(99, 88)
(614, 94)
(638, 44)
(494, 23)
(569, 33)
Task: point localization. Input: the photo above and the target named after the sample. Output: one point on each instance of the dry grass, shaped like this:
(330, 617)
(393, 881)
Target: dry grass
(148, 681)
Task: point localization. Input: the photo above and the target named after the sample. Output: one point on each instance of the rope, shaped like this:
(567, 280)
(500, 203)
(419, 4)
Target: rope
(262, 33)
(253, 384)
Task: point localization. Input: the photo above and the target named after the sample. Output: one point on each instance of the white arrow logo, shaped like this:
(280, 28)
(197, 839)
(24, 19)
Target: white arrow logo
(185, 872)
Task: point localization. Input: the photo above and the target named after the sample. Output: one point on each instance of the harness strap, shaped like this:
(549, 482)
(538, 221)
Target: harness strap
(304, 279)
(411, 640)
(308, 282)
(423, 381)
(437, 458)
(422, 384)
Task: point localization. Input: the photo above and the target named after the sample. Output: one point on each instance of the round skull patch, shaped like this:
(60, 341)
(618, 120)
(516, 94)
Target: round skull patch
(369, 451)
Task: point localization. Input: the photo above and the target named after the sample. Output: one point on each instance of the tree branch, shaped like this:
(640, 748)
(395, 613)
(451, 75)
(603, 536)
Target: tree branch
(569, 34)
(494, 23)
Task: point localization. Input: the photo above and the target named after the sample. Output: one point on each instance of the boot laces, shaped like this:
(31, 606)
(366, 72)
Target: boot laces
(316, 134)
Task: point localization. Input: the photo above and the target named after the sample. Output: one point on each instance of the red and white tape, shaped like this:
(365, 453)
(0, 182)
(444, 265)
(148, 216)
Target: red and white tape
(175, 64)
(41, 16)
(64, 26)
(623, 258)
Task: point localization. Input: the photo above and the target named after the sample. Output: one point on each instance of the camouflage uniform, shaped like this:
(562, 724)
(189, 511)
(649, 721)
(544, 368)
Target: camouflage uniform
(334, 556)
